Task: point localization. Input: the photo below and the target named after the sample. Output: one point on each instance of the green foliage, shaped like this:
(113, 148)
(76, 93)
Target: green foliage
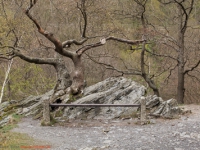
(4, 29)
(17, 117)
(12, 140)
(120, 18)
(73, 98)
(28, 80)
(10, 107)
(14, 119)
(59, 113)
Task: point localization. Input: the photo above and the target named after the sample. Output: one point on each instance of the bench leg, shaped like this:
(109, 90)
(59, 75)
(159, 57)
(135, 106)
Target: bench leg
(143, 110)
(46, 113)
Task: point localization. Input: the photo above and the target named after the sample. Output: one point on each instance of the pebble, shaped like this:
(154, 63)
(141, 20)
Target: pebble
(194, 135)
(107, 142)
(178, 149)
(180, 125)
(198, 136)
(30, 126)
(87, 148)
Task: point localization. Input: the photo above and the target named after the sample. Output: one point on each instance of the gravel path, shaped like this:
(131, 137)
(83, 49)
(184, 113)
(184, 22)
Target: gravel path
(177, 134)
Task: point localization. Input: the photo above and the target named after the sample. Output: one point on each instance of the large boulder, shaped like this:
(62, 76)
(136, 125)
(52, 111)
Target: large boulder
(119, 91)
(110, 91)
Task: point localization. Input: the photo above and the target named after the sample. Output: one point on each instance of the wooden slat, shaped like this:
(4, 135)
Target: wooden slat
(95, 105)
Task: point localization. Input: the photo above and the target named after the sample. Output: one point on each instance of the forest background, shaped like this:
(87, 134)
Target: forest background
(168, 57)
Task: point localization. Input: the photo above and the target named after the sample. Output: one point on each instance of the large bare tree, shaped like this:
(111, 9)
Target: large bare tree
(64, 48)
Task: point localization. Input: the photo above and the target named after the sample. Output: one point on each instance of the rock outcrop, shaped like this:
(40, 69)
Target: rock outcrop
(110, 91)
(30, 106)
(160, 108)
(120, 91)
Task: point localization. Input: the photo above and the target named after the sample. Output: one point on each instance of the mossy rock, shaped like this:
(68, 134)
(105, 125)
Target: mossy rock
(10, 107)
(38, 116)
(6, 114)
(73, 98)
(59, 113)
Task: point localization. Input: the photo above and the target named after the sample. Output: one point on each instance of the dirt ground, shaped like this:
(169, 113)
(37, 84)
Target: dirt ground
(165, 134)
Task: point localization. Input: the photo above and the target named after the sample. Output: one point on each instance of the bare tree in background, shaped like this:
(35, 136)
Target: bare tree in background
(6, 79)
(141, 5)
(184, 9)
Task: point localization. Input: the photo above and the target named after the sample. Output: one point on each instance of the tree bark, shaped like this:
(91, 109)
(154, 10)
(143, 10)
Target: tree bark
(63, 77)
(181, 66)
(5, 80)
(77, 76)
(63, 82)
(149, 81)
(181, 63)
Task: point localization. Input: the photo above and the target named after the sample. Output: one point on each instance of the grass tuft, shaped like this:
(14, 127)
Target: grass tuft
(15, 141)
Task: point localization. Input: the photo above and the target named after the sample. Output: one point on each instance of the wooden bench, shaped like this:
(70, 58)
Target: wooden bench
(46, 110)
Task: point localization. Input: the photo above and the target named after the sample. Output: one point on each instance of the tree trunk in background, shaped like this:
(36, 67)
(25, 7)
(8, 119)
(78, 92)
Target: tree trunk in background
(5, 80)
(181, 66)
(181, 63)
(145, 76)
(9, 89)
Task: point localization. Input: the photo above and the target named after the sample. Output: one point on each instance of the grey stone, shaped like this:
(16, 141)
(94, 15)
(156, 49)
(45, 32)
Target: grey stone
(167, 109)
(5, 121)
(120, 91)
(152, 101)
(110, 91)
(184, 135)
(3, 105)
(13, 101)
(152, 121)
(198, 136)
(180, 125)
(178, 149)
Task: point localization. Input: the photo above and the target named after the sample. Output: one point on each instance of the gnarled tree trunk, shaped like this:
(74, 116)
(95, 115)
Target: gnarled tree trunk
(63, 77)
(63, 81)
(77, 76)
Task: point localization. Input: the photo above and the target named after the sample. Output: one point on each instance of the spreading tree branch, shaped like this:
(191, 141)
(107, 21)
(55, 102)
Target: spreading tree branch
(68, 43)
(111, 67)
(192, 68)
(16, 52)
(83, 11)
(48, 35)
(81, 50)
(124, 40)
